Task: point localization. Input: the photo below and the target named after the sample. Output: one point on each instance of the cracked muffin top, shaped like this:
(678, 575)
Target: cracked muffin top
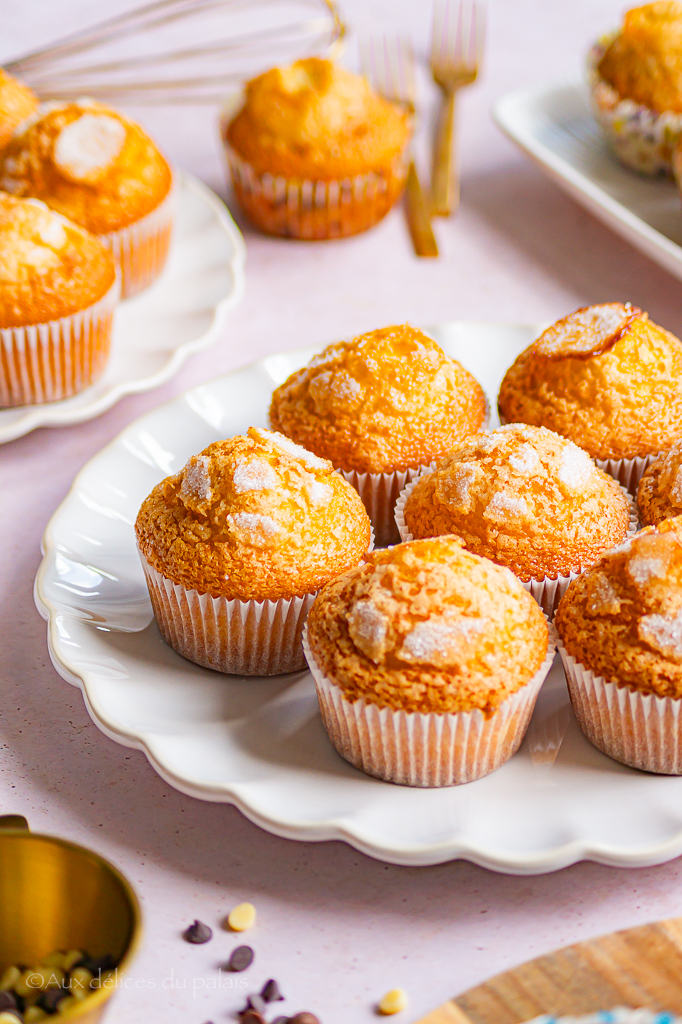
(316, 120)
(253, 517)
(606, 377)
(428, 627)
(49, 267)
(524, 497)
(17, 102)
(87, 162)
(644, 61)
(659, 495)
(623, 618)
(388, 400)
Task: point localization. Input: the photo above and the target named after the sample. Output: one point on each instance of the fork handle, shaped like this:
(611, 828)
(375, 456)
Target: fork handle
(445, 171)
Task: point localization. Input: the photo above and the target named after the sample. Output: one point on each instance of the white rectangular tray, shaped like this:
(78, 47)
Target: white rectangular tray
(554, 125)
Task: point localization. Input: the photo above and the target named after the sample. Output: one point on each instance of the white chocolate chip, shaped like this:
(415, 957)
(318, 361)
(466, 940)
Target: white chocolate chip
(394, 1001)
(242, 917)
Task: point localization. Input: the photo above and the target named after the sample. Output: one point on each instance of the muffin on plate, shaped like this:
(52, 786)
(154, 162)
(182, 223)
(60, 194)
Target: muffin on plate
(235, 546)
(636, 82)
(314, 152)
(620, 626)
(607, 378)
(427, 661)
(58, 290)
(379, 407)
(17, 102)
(100, 170)
(526, 498)
(659, 495)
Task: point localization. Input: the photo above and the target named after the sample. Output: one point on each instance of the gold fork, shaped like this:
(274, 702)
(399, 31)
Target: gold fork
(388, 65)
(456, 52)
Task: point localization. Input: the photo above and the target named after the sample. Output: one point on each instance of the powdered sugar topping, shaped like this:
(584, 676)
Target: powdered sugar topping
(663, 633)
(320, 494)
(368, 627)
(676, 489)
(53, 234)
(291, 448)
(576, 467)
(586, 331)
(253, 475)
(196, 490)
(439, 639)
(253, 528)
(525, 460)
(86, 147)
(507, 504)
(643, 569)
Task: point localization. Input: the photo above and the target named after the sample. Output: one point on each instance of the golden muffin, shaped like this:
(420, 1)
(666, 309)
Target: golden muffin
(621, 630)
(426, 629)
(251, 521)
(17, 102)
(378, 407)
(636, 82)
(659, 495)
(607, 378)
(100, 170)
(314, 152)
(58, 289)
(524, 497)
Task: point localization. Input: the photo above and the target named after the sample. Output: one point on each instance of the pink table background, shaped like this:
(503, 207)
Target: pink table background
(336, 928)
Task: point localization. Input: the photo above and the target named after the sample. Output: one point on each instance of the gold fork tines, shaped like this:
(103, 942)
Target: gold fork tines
(456, 52)
(388, 65)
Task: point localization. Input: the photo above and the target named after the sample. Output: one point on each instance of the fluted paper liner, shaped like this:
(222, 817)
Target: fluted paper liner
(426, 750)
(141, 248)
(547, 590)
(628, 472)
(54, 360)
(379, 493)
(638, 729)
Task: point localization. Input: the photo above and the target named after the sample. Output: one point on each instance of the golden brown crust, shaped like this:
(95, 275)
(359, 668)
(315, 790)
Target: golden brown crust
(623, 618)
(88, 163)
(17, 102)
(315, 120)
(616, 390)
(386, 401)
(253, 517)
(49, 268)
(428, 627)
(525, 498)
(644, 61)
(659, 495)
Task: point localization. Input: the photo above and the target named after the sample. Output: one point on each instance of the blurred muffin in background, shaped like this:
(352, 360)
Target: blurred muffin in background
(17, 102)
(58, 289)
(607, 378)
(636, 81)
(659, 495)
(314, 152)
(102, 171)
(379, 407)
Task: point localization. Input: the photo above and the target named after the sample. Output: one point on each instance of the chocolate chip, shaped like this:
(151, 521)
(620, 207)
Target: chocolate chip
(252, 1017)
(49, 1000)
(240, 959)
(96, 964)
(8, 1001)
(270, 992)
(304, 1018)
(257, 1003)
(197, 933)
(282, 1020)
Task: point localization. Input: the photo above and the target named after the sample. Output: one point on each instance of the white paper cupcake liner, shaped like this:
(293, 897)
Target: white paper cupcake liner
(141, 248)
(54, 360)
(547, 591)
(638, 729)
(628, 472)
(426, 750)
(379, 493)
(641, 138)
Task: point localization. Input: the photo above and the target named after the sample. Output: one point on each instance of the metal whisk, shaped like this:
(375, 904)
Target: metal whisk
(131, 57)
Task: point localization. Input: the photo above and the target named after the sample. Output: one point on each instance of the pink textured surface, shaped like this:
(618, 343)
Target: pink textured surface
(335, 928)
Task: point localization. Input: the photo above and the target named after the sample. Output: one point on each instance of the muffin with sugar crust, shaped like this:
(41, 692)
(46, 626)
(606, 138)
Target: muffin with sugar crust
(314, 152)
(621, 643)
(659, 495)
(99, 169)
(58, 290)
(527, 499)
(427, 661)
(235, 546)
(379, 407)
(607, 378)
(17, 102)
(636, 81)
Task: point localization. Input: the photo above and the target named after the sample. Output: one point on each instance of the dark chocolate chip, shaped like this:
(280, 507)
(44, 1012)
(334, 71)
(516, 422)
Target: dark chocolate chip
(282, 1020)
(304, 1018)
(240, 959)
(252, 1017)
(197, 933)
(270, 992)
(257, 1003)
(50, 999)
(8, 1000)
(97, 964)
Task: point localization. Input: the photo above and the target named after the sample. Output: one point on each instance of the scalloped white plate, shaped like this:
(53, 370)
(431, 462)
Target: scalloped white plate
(155, 332)
(259, 743)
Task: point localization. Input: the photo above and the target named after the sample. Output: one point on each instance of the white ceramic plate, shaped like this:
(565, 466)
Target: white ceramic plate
(155, 332)
(553, 124)
(259, 743)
